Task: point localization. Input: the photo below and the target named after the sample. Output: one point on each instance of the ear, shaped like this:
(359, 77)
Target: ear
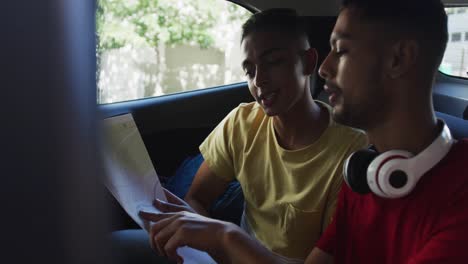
(310, 61)
(403, 56)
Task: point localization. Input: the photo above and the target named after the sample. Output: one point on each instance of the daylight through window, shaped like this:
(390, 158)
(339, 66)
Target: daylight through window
(455, 60)
(151, 48)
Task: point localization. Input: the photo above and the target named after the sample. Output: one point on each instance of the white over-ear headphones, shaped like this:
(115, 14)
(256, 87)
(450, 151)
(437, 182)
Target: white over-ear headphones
(394, 173)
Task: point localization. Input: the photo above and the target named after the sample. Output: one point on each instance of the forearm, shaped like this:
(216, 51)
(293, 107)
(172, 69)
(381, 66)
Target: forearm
(239, 248)
(197, 206)
(205, 188)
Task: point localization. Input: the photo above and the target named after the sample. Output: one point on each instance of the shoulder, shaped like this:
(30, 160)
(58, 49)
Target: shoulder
(457, 159)
(451, 173)
(247, 113)
(461, 147)
(247, 109)
(458, 154)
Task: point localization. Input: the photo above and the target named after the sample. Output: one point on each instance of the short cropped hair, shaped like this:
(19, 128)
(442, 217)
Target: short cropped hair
(282, 20)
(424, 19)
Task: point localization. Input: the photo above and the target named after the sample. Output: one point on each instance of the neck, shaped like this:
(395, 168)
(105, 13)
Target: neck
(301, 125)
(410, 123)
(411, 130)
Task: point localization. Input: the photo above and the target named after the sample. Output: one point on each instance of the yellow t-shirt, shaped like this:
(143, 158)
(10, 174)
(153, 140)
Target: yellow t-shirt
(290, 195)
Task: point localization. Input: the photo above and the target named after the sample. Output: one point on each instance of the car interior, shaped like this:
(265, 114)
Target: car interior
(185, 119)
(52, 168)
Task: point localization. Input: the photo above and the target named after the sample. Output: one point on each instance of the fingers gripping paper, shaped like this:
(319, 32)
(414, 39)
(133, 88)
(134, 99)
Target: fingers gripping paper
(131, 177)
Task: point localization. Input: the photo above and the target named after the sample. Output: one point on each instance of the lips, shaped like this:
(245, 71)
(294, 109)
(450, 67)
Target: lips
(267, 99)
(331, 88)
(334, 92)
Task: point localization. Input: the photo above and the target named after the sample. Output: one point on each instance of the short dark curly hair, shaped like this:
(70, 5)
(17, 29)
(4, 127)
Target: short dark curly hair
(424, 19)
(283, 20)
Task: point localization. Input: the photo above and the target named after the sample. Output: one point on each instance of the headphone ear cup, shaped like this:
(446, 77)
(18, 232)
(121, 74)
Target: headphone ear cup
(388, 175)
(355, 170)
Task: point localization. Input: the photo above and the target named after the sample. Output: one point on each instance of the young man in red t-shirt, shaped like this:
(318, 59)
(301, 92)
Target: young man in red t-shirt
(380, 73)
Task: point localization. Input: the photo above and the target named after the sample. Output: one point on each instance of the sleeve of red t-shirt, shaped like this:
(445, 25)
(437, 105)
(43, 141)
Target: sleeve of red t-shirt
(327, 241)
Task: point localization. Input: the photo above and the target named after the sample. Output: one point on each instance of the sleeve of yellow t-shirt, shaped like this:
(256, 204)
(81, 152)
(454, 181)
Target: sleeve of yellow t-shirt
(359, 143)
(217, 148)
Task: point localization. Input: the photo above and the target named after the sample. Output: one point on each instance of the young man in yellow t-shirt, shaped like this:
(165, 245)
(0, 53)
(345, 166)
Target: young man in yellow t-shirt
(284, 148)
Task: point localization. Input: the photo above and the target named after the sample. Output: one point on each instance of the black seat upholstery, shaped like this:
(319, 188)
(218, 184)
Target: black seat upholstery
(319, 30)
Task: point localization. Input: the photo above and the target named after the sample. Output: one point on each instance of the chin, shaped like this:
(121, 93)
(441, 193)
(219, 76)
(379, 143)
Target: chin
(340, 116)
(270, 111)
(347, 119)
(336, 116)
(337, 111)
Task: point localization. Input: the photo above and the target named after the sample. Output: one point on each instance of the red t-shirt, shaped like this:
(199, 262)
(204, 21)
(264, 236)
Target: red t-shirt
(430, 225)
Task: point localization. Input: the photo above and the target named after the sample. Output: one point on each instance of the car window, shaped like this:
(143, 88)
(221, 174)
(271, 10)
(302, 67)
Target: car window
(455, 60)
(150, 48)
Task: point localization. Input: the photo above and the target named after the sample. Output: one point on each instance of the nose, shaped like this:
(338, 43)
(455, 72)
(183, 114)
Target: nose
(261, 76)
(326, 69)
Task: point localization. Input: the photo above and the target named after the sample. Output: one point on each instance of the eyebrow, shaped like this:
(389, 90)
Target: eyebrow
(339, 36)
(263, 54)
